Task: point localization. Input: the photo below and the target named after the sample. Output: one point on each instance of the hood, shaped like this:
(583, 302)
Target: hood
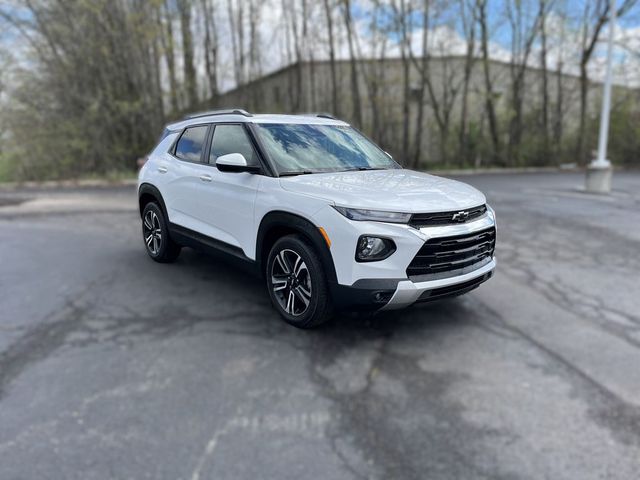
(390, 190)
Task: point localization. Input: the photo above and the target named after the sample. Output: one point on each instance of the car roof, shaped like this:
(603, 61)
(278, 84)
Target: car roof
(240, 116)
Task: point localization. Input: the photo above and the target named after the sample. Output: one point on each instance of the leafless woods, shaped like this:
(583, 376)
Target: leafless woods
(86, 85)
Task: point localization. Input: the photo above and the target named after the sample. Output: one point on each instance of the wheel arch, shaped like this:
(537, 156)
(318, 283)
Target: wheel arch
(276, 224)
(148, 193)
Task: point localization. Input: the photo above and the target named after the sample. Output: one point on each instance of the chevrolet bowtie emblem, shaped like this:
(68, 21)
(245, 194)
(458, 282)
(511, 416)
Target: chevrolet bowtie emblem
(460, 216)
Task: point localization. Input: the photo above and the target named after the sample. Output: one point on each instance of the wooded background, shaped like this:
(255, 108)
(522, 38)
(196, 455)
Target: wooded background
(87, 85)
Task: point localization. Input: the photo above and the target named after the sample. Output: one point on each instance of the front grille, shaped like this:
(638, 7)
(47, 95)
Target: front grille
(447, 256)
(446, 218)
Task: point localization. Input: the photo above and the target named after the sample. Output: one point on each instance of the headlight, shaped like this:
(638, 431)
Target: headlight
(374, 215)
(492, 215)
(372, 249)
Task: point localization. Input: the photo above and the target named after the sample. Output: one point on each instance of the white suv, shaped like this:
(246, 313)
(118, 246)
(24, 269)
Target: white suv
(327, 217)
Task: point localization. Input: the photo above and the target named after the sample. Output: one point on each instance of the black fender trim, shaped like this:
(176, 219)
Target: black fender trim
(148, 189)
(302, 226)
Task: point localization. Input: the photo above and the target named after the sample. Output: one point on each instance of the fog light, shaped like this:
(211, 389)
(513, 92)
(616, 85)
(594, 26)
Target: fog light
(372, 249)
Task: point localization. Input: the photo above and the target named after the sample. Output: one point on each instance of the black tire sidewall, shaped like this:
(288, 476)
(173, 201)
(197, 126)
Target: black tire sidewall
(166, 240)
(318, 281)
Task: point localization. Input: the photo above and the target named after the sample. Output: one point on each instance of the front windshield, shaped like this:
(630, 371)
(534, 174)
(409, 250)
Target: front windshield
(297, 148)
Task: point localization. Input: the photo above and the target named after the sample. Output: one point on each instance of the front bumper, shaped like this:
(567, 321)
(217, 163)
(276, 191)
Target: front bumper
(408, 292)
(391, 294)
(385, 284)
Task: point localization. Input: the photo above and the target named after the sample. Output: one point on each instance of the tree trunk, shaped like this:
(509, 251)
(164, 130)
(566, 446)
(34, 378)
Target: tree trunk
(210, 47)
(584, 97)
(559, 115)
(545, 84)
(355, 86)
(406, 71)
(332, 59)
(419, 130)
(233, 32)
(187, 53)
(463, 141)
(488, 81)
(167, 45)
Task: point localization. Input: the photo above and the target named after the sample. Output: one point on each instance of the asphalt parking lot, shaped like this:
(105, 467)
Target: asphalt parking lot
(115, 367)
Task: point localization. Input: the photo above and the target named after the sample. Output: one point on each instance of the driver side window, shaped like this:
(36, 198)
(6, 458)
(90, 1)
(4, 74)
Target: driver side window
(232, 139)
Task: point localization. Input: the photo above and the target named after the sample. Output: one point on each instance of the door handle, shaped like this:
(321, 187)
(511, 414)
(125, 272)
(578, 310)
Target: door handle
(205, 178)
(163, 169)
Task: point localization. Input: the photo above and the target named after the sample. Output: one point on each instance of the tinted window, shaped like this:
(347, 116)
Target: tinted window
(232, 139)
(189, 146)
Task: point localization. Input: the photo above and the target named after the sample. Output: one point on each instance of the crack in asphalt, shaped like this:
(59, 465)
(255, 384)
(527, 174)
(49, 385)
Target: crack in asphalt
(37, 344)
(587, 307)
(369, 420)
(619, 417)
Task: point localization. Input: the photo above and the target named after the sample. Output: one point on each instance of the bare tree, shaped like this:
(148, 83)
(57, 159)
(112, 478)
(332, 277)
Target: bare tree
(425, 76)
(469, 20)
(402, 18)
(545, 78)
(191, 86)
(294, 55)
(236, 28)
(328, 9)
(308, 52)
(167, 41)
(373, 72)
(442, 85)
(488, 81)
(255, 62)
(355, 84)
(558, 119)
(210, 46)
(523, 35)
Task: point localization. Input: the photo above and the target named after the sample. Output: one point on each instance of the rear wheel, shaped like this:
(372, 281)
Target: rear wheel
(155, 233)
(297, 283)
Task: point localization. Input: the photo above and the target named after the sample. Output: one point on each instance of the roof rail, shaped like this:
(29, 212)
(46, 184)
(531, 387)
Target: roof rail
(230, 111)
(317, 114)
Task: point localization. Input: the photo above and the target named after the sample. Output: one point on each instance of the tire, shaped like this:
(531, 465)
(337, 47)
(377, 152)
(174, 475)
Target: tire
(294, 276)
(155, 234)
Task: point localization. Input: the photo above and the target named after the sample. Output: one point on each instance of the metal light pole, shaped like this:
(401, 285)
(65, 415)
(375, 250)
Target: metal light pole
(599, 171)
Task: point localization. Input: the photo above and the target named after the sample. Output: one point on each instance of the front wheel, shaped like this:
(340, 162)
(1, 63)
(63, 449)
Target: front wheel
(297, 283)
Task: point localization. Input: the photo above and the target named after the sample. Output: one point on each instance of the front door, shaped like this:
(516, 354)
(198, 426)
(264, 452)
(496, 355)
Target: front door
(228, 199)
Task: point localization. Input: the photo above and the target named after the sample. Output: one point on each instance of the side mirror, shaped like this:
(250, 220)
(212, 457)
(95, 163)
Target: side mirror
(235, 162)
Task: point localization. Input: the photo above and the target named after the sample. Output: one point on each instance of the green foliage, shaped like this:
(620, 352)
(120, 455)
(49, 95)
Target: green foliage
(86, 104)
(624, 135)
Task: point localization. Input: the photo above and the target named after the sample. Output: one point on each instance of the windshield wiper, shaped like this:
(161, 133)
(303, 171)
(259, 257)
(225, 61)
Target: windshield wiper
(295, 172)
(362, 169)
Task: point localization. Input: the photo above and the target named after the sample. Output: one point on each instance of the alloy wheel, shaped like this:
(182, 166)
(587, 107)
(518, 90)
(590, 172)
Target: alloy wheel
(152, 232)
(291, 282)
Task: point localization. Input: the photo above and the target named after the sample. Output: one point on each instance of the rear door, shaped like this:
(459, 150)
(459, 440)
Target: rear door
(184, 174)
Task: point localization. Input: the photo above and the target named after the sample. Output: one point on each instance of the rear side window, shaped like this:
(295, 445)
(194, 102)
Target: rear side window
(232, 139)
(189, 147)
